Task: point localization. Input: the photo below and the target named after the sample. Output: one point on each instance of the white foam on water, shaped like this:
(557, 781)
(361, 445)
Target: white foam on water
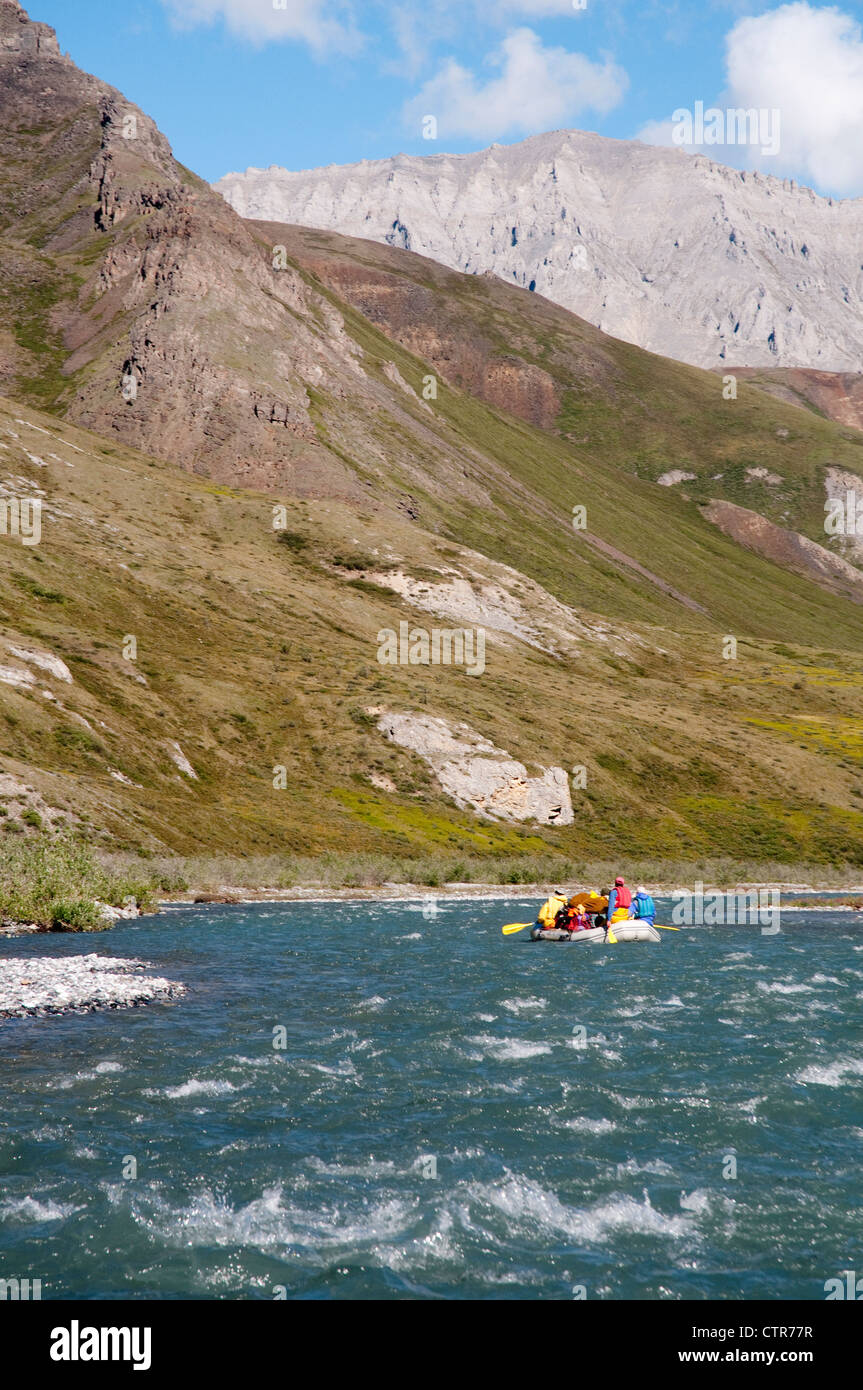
(833, 1074)
(750, 1106)
(778, 987)
(267, 1222)
(632, 1102)
(342, 1070)
(194, 1087)
(519, 1005)
(592, 1040)
(412, 936)
(373, 1168)
(29, 1210)
(508, 1049)
(582, 1124)
(266, 1061)
(436, 1246)
(655, 1166)
(528, 1207)
(101, 1069)
(698, 1201)
(373, 1004)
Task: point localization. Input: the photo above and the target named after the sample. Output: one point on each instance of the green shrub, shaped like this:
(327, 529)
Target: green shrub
(293, 540)
(59, 880)
(357, 561)
(80, 915)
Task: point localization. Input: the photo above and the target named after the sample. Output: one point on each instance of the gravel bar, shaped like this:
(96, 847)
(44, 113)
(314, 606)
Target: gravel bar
(37, 987)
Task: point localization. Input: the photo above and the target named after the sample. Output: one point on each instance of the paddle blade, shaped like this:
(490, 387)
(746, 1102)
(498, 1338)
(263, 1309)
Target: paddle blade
(659, 928)
(512, 927)
(611, 938)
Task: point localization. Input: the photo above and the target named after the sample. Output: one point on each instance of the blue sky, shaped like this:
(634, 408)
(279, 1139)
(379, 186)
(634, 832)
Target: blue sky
(301, 83)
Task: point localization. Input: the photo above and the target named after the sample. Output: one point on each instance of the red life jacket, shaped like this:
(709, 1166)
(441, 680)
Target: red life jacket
(624, 897)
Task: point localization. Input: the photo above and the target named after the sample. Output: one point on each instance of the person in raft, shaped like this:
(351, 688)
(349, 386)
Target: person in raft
(578, 920)
(551, 909)
(619, 902)
(557, 913)
(643, 906)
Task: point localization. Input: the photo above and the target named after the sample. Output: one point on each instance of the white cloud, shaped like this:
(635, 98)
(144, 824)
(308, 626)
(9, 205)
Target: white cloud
(656, 133)
(806, 64)
(536, 9)
(323, 24)
(536, 89)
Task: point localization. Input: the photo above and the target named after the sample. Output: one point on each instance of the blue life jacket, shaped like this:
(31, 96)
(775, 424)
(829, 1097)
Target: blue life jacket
(644, 905)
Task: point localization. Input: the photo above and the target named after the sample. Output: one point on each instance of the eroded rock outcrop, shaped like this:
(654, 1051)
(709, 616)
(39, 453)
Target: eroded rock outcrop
(477, 775)
(787, 548)
(20, 36)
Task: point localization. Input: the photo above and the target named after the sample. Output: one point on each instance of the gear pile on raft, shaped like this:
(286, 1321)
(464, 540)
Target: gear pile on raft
(588, 916)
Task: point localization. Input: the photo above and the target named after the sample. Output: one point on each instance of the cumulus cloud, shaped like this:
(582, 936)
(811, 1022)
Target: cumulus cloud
(323, 24)
(806, 64)
(657, 133)
(536, 88)
(535, 9)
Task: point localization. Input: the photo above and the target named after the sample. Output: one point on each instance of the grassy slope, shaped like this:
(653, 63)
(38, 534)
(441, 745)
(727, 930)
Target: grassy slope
(615, 405)
(257, 654)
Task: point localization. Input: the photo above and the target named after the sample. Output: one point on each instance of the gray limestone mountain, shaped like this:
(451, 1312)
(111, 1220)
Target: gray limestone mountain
(672, 252)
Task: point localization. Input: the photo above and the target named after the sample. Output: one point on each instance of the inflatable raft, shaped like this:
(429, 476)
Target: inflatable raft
(624, 931)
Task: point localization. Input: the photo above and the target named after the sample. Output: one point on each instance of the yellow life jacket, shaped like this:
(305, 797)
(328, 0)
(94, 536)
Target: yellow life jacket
(549, 910)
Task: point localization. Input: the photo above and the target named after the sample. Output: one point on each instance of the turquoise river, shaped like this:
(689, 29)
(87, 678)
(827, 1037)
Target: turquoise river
(393, 1100)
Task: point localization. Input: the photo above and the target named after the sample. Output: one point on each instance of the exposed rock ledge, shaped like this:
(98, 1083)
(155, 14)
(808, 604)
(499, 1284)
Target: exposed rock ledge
(477, 775)
(35, 987)
(787, 548)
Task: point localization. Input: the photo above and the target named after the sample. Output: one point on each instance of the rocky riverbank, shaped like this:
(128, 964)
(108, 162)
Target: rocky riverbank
(37, 987)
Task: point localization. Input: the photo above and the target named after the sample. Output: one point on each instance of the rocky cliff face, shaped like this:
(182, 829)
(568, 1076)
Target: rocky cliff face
(669, 251)
(18, 35)
(136, 301)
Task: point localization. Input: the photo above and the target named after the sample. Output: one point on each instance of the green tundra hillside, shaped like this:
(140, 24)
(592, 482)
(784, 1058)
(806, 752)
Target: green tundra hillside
(258, 450)
(164, 650)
